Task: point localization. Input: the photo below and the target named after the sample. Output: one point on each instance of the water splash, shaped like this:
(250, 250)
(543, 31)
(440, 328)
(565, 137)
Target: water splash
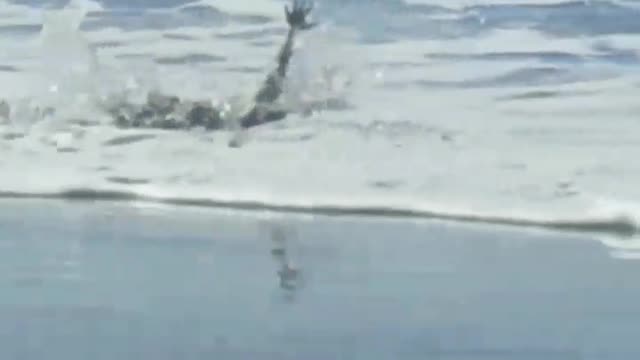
(68, 63)
(324, 73)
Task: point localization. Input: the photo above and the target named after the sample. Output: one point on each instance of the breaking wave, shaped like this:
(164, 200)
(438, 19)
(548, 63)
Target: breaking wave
(456, 111)
(619, 225)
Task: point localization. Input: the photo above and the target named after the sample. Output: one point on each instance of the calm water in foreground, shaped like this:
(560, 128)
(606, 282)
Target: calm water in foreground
(106, 281)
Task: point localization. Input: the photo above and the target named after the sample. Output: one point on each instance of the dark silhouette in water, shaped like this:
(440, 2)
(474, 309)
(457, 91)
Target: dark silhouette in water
(170, 112)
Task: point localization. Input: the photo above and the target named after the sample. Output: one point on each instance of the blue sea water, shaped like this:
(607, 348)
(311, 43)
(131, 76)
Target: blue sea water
(410, 121)
(108, 281)
(520, 113)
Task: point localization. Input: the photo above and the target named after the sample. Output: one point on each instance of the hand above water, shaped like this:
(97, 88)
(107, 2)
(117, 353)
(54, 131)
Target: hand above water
(297, 17)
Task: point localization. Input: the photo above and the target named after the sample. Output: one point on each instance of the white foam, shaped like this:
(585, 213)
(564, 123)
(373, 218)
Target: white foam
(454, 152)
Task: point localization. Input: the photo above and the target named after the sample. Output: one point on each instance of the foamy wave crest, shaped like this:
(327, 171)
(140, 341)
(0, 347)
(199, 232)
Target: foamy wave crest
(617, 224)
(449, 110)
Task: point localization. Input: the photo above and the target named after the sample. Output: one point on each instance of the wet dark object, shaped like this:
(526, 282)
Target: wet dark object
(205, 116)
(163, 111)
(162, 104)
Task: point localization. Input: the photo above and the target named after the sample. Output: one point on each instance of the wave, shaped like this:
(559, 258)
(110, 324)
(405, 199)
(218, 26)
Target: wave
(404, 140)
(617, 225)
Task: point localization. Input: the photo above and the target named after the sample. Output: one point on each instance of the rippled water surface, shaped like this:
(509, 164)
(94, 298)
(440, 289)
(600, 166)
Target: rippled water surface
(519, 112)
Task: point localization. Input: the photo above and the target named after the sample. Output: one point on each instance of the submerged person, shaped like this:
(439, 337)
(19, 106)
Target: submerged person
(169, 112)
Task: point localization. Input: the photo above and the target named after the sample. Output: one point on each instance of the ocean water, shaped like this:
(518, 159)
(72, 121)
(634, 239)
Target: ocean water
(114, 281)
(519, 113)
(316, 238)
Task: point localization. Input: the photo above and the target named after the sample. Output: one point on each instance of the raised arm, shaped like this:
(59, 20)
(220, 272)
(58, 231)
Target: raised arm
(297, 20)
(273, 85)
